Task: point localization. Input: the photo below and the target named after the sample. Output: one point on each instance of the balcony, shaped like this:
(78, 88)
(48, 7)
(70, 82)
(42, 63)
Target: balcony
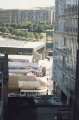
(67, 71)
(71, 10)
(63, 51)
(64, 75)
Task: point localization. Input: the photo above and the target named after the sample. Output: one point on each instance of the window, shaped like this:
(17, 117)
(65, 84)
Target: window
(40, 69)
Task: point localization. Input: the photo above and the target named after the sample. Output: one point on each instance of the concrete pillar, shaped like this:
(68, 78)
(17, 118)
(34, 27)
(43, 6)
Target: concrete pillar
(68, 100)
(54, 87)
(64, 98)
(43, 53)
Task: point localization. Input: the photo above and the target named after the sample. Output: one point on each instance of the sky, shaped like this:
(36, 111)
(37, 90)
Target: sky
(25, 4)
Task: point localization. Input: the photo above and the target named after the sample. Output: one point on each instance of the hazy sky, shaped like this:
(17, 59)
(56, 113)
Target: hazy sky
(25, 4)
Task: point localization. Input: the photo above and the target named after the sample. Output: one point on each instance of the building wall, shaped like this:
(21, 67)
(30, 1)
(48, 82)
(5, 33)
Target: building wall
(45, 15)
(65, 45)
(9, 16)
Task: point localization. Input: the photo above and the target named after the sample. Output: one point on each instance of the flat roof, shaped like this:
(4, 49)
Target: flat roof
(11, 43)
(20, 57)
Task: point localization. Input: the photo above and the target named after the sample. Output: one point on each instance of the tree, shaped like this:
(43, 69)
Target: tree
(3, 29)
(40, 36)
(11, 30)
(28, 25)
(36, 36)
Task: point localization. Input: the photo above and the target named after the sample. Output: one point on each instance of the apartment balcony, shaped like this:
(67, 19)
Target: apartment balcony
(68, 32)
(64, 76)
(67, 70)
(71, 10)
(71, 30)
(63, 51)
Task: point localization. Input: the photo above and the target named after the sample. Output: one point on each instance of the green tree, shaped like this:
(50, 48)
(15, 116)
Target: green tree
(3, 29)
(36, 36)
(11, 30)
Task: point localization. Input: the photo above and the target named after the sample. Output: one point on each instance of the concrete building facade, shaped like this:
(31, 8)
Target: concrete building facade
(46, 15)
(9, 16)
(65, 47)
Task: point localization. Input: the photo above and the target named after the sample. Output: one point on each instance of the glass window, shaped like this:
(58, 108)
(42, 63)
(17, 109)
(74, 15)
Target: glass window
(42, 56)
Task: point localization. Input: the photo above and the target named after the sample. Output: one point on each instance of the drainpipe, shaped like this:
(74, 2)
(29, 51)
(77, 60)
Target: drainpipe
(76, 95)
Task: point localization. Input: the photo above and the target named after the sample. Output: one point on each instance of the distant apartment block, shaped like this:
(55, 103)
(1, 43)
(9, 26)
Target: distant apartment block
(65, 47)
(46, 15)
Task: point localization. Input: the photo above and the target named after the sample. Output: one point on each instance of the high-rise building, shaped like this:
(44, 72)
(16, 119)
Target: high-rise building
(65, 48)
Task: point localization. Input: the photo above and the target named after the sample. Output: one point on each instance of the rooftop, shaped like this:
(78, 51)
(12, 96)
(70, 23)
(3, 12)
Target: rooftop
(20, 58)
(11, 43)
